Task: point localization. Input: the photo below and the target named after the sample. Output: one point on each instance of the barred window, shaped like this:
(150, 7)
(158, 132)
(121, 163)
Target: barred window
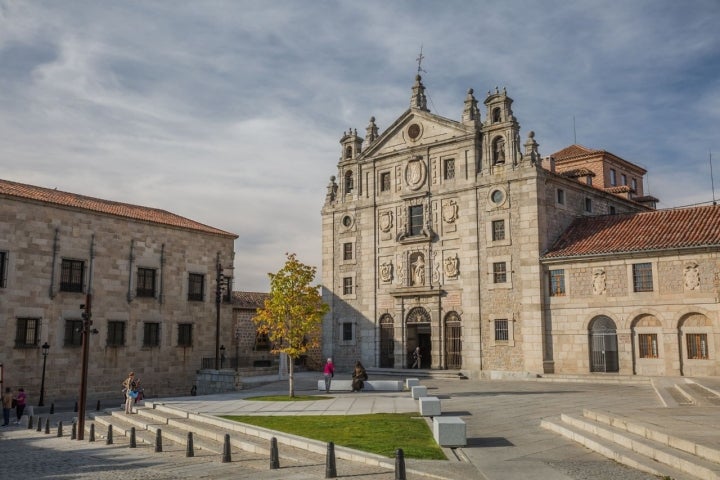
(146, 282)
(26, 334)
(416, 219)
(449, 168)
(196, 287)
(642, 277)
(648, 346)
(347, 332)
(501, 330)
(499, 272)
(697, 346)
(185, 335)
(557, 283)
(73, 333)
(347, 286)
(498, 230)
(151, 334)
(116, 334)
(71, 275)
(347, 251)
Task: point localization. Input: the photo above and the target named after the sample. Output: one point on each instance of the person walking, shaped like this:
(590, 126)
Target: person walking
(417, 357)
(328, 373)
(20, 400)
(359, 377)
(7, 404)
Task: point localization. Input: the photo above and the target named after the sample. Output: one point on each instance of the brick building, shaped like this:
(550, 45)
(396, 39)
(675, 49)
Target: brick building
(152, 275)
(442, 234)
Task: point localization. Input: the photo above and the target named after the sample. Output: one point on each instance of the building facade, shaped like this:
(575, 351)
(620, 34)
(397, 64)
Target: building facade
(434, 236)
(152, 277)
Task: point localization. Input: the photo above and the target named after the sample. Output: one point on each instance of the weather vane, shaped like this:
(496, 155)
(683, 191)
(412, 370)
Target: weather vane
(419, 59)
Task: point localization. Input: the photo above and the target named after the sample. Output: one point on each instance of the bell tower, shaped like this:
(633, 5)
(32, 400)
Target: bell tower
(500, 133)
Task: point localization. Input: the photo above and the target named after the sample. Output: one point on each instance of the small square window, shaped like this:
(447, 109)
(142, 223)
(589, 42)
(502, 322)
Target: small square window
(385, 182)
(116, 334)
(196, 287)
(498, 230)
(71, 275)
(560, 196)
(185, 335)
(347, 332)
(499, 272)
(642, 277)
(501, 330)
(648, 345)
(347, 286)
(73, 333)
(26, 334)
(449, 168)
(151, 334)
(145, 282)
(347, 251)
(557, 283)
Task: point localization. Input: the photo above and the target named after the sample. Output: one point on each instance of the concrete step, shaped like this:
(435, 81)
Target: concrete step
(611, 450)
(607, 378)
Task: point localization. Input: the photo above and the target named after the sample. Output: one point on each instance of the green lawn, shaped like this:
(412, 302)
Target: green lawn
(380, 433)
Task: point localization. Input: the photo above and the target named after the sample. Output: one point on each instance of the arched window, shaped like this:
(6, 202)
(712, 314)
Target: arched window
(496, 115)
(348, 152)
(498, 151)
(387, 342)
(453, 341)
(349, 184)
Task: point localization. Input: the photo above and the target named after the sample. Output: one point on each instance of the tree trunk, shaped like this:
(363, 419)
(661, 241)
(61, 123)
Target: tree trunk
(291, 376)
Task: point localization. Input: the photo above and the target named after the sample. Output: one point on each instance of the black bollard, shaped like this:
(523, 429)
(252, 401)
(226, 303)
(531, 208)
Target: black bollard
(190, 450)
(133, 444)
(39, 427)
(97, 407)
(92, 433)
(330, 469)
(109, 440)
(59, 433)
(158, 440)
(52, 408)
(73, 432)
(30, 422)
(47, 426)
(400, 465)
(226, 449)
(274, 457)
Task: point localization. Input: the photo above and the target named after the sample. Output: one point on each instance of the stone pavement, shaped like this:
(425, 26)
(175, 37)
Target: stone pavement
(505, 440)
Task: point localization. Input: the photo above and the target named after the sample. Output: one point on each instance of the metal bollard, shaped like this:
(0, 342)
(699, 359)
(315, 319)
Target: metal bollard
(133, 443)
(226, 449)
(39, 427)
(158, 440)
(92, 433)
(330, 469)
(190, 450)
(109, 440)
(73, 433)
(30, 422)
(52, 408)
(47, 426)
(274, 456)
(59, 431)
(400, 465)
(97, 407)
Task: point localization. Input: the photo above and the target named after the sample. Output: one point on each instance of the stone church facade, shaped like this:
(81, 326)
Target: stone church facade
(152, 275)
(440, 234)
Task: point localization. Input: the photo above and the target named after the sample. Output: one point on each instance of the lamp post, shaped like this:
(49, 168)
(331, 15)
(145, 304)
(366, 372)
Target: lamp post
(220, 282)
(222, 356)
(45, 349)
(237, 346)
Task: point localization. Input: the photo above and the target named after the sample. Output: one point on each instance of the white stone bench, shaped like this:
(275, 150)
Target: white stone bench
(429, 406)
(370, 385)
(418, 391)
(449, 431)
(411, 382)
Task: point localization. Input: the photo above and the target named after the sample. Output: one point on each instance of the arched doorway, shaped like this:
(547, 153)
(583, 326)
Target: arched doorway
(387, 342)
(453, 341)
(603, 345)
(418, 335)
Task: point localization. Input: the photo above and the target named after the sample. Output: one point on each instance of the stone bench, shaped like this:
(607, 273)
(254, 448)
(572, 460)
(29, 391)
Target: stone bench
(449, 431)
(429, 406)
(370, 385)
(418, 391)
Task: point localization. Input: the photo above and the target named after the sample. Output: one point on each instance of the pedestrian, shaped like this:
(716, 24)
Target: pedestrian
(416, 357)
(129, 384)
(7, 404)
(359, 377)
(20, 401)
(328, 373)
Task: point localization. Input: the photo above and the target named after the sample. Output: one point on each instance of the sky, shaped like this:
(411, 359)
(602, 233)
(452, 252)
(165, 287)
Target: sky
(230, 112)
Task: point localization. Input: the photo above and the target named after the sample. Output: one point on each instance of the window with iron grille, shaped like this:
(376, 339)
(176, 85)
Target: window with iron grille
(73, 333)
(347, 286)
(185, 334)
(449, 168)
(347, 251)
(71, 275)
(648, 346)
(146, 282)
(501, 330)
(27, 332)
(416, 219)
(557, 283)
(116, 334)
(385, 182)
(151, 334)
(347, 331)
(499, 272)
(196, 287)
(697, 346)
(3, 269)
(642, 277)
(498, 230)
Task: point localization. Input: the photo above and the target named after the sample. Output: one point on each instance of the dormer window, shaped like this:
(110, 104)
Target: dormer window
(496, 115)
(349, 183)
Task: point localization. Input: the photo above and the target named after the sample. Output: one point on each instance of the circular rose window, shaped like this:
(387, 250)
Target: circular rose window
(414, 131)
(497, 197)
(347, 220)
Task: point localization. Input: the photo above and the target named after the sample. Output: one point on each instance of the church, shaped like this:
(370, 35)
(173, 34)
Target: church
(458, 237)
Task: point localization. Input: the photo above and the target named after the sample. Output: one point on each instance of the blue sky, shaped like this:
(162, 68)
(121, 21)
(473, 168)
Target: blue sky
(230, 112)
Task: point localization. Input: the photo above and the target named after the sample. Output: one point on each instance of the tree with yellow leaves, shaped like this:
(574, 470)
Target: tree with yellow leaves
(293, 312)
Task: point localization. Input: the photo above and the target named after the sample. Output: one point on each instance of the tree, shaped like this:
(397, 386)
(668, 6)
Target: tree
(293, 312)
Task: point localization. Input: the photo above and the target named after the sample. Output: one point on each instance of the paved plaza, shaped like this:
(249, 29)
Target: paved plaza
(505, 440)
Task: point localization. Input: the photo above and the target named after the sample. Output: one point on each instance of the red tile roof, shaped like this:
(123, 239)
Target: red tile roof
(638, 232)
(575, 151)
(134, 212)
(249, 300)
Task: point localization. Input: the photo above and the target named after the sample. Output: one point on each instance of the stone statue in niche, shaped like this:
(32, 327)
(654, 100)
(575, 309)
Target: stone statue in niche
(386, 271)
(418, 270)
(692, 276)
(599, 281)
(451, 266)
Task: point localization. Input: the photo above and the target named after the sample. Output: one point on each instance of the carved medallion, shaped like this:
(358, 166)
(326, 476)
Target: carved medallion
(415, 173)
(386, 221)
(386, 271)
(450, 211)
(451, 266)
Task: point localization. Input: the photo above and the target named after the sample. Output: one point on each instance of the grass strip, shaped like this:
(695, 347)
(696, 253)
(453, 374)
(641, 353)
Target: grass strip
(379, 433)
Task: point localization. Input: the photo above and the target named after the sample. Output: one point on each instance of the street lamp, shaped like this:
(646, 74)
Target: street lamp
(222, 355)
(220, 281)
(45, 349)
